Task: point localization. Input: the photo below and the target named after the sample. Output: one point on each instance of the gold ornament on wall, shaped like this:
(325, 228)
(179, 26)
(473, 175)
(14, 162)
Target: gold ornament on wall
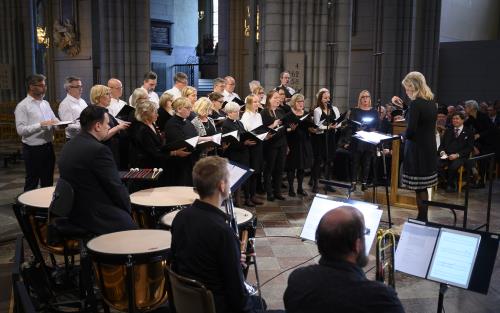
(65, 38)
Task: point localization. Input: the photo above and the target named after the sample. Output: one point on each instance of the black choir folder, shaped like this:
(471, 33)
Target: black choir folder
(458, 257)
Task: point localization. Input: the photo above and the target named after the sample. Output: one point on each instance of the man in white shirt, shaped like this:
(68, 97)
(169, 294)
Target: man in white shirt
(116, 92)
(180, 82)
(284, 80)
(229, 94)
(149, 84)
(71, 107)
(35, 123)
(219, 85)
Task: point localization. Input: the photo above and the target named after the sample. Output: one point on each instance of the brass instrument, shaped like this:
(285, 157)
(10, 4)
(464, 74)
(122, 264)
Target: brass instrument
(385, 254)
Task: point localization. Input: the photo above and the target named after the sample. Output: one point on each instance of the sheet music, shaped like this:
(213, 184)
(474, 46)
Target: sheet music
(415, 247)
(234, 133)
(217, 138)
(193, 141)
(322, 204)
(454, 258)
(261, 136)
(64, 123)
(372, 137)
(235, 173)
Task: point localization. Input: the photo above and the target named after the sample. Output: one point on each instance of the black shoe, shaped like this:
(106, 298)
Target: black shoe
(279, 197)
(302, 192)
(249, 203)
(450, 189)
(270, 197)
(477, 186)
(292, 193)
(256, 201)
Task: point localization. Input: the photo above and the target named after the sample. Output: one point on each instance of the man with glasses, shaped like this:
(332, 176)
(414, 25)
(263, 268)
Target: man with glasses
(284, 80)
(229, 94)
(338, 283)
(35, 123)
(71, 107)
(180, 82)
(116, 92)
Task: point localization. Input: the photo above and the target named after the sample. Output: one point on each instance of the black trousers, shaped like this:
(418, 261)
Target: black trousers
(39, 162)
(451, 173)
(273, 171)
(364, 159)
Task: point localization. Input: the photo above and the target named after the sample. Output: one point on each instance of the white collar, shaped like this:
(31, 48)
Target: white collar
(72, 99)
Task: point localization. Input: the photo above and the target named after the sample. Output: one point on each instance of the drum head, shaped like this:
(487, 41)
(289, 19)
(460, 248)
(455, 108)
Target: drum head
(164, 196)
(131, 242)
(37, 198)
(242, 216)
(168, 218)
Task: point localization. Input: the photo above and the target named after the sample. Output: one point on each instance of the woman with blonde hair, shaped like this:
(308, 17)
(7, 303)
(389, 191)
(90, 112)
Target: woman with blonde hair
(100, 95)
(177, 130)
(299, 157)
(362, 152)
(191, 94)
(165, 111)
(419, 166)
(204, 124)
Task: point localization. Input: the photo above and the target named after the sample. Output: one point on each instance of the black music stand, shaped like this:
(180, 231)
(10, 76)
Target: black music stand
(442, 250)
(380, 141)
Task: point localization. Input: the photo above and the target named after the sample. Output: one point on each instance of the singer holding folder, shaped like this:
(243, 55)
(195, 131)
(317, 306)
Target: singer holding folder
(419, 165)
(252, 119)
(177, 130)
(300, 155)
(275, 147)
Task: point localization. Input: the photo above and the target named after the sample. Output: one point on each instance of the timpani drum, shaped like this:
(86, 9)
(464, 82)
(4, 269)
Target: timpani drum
(35, 207)
(130, 267)
(245, 219)
(150, 204)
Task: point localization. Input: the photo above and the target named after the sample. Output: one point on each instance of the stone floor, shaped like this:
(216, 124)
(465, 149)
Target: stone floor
(279, 248)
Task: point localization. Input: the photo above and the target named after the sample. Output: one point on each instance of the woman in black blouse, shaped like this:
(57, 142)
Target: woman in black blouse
(177, 130)
(275, 147)
(419, 165)
(165, 111)
(148, 148)
(362, 152)
(300, 153)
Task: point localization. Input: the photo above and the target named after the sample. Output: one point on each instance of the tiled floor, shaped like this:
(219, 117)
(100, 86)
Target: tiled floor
(279, 248)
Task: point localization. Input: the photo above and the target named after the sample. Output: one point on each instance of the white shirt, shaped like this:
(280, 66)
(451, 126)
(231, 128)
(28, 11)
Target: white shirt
(29, 113)
(116, 106)
(69, 110)
(459, 130)
(251, 120)
(175, 92)
(153, 97)
(317, 118)
(228, 97)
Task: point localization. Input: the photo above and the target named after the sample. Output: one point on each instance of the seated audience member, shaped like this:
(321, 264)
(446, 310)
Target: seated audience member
(494, 116)
(101, 201)
(204, 247)
(338, 283)
(484, 140)
(455, 148)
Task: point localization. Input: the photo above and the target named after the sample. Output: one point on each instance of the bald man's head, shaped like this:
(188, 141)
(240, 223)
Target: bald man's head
(116, 88)
(340, 235)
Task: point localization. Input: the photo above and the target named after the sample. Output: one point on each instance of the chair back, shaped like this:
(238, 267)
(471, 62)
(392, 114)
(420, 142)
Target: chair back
(62, 199)
(189, 295)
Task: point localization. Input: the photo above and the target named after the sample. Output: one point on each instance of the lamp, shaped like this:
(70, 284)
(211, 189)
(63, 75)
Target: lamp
(41, 36)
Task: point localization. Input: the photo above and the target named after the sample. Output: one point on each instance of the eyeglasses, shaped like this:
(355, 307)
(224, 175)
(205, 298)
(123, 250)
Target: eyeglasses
(117, 87)
(40, 85)
(365, 97)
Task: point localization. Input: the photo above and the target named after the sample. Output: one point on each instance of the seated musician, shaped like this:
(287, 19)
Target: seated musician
(204, 247)
(101, 201)
(455, 148)
(338, 283)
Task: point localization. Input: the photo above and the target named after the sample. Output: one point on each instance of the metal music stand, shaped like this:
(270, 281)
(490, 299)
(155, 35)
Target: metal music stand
(379, 145)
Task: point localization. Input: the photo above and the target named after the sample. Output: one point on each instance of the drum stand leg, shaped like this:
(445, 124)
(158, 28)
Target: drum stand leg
(130, 286)
(257, 279)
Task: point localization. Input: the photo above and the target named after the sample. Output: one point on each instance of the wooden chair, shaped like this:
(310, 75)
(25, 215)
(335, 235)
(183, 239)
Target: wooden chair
(188, 295)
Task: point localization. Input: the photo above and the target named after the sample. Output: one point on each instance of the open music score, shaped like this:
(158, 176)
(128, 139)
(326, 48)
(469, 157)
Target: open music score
(141, 174)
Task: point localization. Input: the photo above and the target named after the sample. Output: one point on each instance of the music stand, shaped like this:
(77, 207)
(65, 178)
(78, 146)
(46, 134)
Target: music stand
(322, 204)
(379, 141)
(450, 256)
